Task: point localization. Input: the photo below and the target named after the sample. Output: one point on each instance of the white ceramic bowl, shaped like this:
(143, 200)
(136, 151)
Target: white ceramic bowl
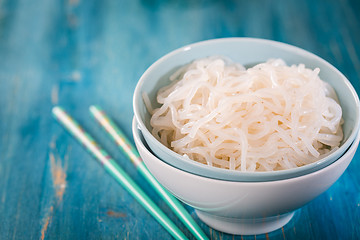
(243, 207)
(247, 51)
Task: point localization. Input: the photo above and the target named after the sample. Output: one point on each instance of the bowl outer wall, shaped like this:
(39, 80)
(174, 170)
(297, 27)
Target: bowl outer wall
(252, 51)
(243, 199)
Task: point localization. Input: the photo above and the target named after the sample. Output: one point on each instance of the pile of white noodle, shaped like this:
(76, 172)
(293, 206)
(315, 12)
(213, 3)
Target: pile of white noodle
(268, 117)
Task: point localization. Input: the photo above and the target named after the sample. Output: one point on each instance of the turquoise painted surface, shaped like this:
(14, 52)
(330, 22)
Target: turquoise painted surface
(77, 53)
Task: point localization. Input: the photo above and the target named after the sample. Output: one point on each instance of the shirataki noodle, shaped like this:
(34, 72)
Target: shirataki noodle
(265, 118)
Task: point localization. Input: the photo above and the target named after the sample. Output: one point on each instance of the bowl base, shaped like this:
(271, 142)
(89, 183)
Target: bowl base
(245, 226)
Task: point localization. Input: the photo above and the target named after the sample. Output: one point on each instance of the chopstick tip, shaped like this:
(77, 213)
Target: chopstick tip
(94, 108)
(56, 110)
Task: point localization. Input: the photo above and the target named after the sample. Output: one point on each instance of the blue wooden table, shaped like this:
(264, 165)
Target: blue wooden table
(76, 53)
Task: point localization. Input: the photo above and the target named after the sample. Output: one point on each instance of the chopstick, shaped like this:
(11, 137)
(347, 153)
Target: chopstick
(130, 151)
(116, 171)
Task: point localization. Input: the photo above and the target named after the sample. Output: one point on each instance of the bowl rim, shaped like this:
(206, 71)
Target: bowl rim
(235, 173)
(137, 139)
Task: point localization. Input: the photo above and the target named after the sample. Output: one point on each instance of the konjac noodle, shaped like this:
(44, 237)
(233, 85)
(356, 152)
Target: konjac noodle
(264, 118)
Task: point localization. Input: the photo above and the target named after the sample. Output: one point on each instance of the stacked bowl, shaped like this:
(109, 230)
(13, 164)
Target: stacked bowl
(229, 200)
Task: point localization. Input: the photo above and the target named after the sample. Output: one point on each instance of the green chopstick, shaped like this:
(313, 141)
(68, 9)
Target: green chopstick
(116, 171)
(130, 151)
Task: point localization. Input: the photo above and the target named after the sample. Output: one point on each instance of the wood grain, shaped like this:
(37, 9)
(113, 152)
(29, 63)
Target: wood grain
(76, 53)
